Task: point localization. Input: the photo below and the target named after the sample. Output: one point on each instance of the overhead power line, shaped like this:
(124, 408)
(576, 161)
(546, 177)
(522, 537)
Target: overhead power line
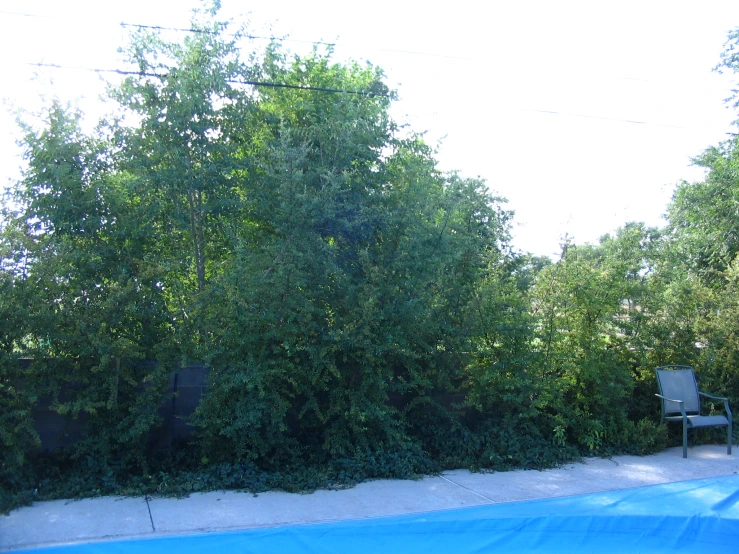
(184, 30)
(177, 29)
(306, 87)
(342, 91)
(286, 39)
(233, 81)
(209, 32)
(253, 37)
(22, 14)
(633, 121)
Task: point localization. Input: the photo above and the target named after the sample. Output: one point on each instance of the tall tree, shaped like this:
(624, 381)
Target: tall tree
(189, 101)
(92, 297)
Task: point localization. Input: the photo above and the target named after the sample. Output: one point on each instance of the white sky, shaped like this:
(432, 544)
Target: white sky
(482, 75)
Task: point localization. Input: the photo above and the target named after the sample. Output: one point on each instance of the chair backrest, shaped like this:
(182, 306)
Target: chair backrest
(678, 383)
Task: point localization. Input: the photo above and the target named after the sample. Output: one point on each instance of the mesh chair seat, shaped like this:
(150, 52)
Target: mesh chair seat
(702, 421)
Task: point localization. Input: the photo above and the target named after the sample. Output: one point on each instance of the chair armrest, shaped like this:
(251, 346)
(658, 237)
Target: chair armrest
(681, 402)
(711, 396)
(726, 402)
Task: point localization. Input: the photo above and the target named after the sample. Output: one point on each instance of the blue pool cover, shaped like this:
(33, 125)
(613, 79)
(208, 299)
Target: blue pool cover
(690, 516)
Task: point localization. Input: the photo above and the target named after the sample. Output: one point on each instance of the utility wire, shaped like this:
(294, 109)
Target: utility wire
(304, 87)
(178, 29)
(204, 31)
(633, 121)
(234, 81)
(253, 37)
(209, 32)
(29, 14)
(342, 91)
(285, 39)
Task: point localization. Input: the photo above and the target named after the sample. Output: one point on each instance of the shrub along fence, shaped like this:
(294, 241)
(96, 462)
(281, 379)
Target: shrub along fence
(138, 436)
(186, 388)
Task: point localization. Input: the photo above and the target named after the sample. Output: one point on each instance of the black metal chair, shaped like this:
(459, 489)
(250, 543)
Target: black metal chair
(681, 402)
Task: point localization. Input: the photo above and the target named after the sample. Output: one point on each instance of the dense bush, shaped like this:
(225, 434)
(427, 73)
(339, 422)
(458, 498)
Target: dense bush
(363, 313)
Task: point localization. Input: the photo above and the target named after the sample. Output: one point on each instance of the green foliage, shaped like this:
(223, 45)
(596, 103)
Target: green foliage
(363, 313)
(703, 216)
(640, 438)
(580, 301)
(18, 436)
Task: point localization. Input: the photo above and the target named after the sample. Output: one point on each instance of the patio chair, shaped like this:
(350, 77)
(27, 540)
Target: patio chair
(680, 399)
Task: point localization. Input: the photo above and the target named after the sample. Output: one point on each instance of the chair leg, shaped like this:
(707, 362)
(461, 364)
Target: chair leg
(685, 440)
(728, 443)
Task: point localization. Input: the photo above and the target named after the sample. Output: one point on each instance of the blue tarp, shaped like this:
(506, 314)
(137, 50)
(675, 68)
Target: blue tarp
(691, 516)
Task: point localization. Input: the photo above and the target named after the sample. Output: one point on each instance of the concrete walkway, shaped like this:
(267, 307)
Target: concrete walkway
(62, 521)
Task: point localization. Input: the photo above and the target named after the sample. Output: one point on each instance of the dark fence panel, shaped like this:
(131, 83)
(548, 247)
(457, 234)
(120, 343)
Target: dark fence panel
(186, 388)
(55, 430)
